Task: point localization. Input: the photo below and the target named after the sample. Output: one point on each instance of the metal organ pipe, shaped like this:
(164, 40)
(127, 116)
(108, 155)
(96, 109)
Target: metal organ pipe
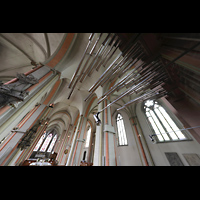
(146, 75)
(104, 56)
(90, 54)
(147, 82)
(92, 50)
(124, 53)
(116, 71)
(106, 51)
(118, 43)
(156, 92)
(76, 72)
(92, 65)
(122, 83)
(103, 52)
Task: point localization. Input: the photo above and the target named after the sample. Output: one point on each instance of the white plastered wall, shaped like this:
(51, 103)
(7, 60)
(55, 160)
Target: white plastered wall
(127, 155)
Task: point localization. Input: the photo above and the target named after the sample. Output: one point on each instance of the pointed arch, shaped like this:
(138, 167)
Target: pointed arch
(45, 145)
(89, 105)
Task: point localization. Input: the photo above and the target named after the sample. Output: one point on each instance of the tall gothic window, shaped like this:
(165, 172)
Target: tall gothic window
(39, 142)
(88, 137)
(122, 139)
(162, 124)
(45, 144)
(52, 144)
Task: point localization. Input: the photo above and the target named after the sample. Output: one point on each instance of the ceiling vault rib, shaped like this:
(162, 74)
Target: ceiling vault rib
(48, 45)
(13, 68)
(37, 43)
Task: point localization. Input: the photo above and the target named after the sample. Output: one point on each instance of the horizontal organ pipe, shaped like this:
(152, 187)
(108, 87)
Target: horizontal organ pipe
(104, 49)
(91, 52)
(115, 72)
(114, 40)
(122, 83)
(77, 79)
(76, 72)
(92, 64)
(146, 74)
(153, 75)
(124, 53)
(154, 92)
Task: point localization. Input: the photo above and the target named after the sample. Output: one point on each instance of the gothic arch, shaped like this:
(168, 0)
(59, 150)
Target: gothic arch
(65, 112)
(90, 105)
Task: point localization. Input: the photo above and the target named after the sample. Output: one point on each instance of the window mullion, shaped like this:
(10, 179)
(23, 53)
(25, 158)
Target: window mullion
(122, 138)
(157, 126)
(42, 143)
(176, 127)
(49, 143)
(123, 134)
(163, 125)
(119, 132)
(52, 143)
(46, 142)
(168, 124)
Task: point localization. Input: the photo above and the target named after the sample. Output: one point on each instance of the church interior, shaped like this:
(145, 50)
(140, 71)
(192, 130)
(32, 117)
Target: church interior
(99, 99)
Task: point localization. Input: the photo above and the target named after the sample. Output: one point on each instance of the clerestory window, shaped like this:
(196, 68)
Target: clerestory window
(122, 139)
(164, 128)
(88, 137)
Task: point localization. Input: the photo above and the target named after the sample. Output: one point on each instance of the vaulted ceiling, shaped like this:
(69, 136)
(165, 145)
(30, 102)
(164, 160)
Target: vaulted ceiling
(20, 52)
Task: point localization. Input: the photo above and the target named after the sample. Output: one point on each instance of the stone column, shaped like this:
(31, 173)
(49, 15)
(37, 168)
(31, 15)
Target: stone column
(98, 142)
(109, 138)
(104, 153)
(79, 143)
(74, 141)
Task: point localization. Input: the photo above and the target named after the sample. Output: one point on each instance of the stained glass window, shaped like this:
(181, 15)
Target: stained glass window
(121, 131)
(164, 127)
(39, 142)
(52, 144)
(46, 143)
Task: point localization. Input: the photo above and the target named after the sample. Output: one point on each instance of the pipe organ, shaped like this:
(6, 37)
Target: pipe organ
(133, 69)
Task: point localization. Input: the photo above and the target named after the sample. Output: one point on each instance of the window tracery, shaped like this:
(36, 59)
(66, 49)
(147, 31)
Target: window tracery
(46, 142)
(164, 127)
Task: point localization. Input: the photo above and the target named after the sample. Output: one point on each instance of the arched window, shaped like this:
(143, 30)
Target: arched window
(162, 124)
(88, 137)
(39, 142)
(45, 144)
(122, 139)
(52, 144)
